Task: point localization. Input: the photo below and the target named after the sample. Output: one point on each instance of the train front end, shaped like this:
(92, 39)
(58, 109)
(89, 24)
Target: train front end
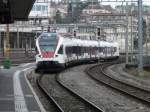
(48, 57)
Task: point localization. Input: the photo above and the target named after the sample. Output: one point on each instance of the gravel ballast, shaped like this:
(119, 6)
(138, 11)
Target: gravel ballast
(104, 97)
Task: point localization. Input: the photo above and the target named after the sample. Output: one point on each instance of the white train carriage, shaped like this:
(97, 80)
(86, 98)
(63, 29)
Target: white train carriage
(55, 51)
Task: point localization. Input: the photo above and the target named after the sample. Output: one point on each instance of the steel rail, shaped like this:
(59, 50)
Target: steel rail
(48, 96)
(132, 90)
(79, 96)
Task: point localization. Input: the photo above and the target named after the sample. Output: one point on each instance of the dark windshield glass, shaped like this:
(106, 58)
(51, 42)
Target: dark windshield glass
(48, 42)
(48, 48)
(60, 51)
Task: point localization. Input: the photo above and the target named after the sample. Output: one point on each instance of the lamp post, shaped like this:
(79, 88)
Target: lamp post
(98, 37)
(6, 43)
(18, 36)
(140, 37)
(132, 44)
(7, 62)
(126, 35)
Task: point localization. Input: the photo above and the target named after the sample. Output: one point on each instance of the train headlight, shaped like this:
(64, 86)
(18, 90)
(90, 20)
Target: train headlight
(40, 56)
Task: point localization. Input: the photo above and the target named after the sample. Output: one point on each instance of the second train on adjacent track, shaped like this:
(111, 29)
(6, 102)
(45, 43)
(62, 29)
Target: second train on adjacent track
(57, 52)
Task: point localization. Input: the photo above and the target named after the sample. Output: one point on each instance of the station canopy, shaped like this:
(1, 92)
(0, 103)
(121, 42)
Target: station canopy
(11, 10)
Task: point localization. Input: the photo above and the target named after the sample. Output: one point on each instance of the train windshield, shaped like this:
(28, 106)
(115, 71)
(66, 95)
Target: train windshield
(48, 42)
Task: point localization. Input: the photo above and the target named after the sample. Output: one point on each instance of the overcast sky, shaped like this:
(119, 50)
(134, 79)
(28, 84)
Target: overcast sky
(145, 2)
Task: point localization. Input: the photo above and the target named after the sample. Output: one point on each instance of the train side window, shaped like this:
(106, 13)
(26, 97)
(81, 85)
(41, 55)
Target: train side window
(82, 50)
(79, 50)
(60, 51)
(93, 50)
(89, 50)
(108, 50)
(100, 49)
(67, 50)
(104, 50)
(74, 50)
(111, 50)
(115, 49)
(86, 50)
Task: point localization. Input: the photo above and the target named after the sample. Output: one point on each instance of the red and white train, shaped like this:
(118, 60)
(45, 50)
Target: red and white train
(56, 51)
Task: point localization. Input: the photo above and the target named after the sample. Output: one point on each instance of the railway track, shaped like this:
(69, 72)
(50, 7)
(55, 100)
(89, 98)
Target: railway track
(78, 103)
(48, 96)
(98, 73)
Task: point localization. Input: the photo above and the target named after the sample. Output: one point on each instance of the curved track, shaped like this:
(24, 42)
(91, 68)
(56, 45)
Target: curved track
(99, 74)
(89, 106)
(48, 96)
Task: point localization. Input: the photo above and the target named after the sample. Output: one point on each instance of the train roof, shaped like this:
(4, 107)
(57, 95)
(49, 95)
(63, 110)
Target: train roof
(68, 41)
(93, 43)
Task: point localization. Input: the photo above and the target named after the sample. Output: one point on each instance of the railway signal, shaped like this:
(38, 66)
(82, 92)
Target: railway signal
(74, 33)
(98, 32)
(48, 29)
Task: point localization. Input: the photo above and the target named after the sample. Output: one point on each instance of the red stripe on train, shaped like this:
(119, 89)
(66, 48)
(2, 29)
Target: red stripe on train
(47, 54)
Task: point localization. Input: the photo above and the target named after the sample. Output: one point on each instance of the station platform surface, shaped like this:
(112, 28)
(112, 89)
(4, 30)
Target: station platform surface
(15, 93)
(117, 71)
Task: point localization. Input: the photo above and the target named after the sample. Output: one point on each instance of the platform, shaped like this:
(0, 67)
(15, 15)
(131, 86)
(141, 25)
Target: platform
(15, 93)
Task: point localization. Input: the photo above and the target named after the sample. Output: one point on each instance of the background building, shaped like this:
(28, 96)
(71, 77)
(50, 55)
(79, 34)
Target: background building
(85, 17)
